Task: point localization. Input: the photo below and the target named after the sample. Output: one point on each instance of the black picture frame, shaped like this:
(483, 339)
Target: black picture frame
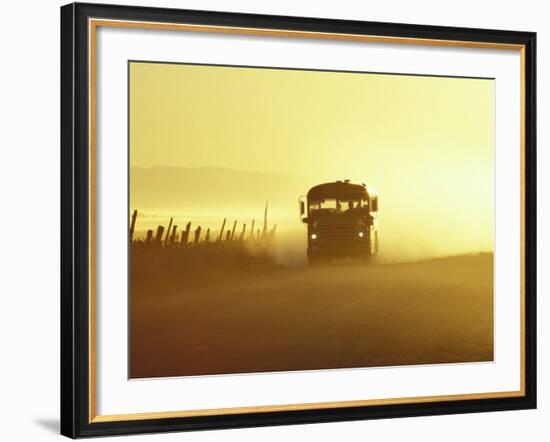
(75, 220)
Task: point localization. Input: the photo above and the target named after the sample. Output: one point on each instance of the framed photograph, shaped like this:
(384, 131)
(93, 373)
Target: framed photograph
(275, 220)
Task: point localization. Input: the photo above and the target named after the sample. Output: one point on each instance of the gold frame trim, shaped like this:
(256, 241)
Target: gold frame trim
(93, 24)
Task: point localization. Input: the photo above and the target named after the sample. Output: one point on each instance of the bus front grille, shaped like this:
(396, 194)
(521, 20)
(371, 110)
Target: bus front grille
(337, 233)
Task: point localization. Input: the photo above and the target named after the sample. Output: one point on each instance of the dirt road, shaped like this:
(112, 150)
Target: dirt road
(317, 318)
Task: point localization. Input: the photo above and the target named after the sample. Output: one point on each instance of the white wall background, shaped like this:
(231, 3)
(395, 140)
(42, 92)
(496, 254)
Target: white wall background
(29, 220)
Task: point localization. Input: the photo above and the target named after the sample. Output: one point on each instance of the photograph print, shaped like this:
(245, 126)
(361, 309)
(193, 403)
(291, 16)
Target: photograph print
(293, 219)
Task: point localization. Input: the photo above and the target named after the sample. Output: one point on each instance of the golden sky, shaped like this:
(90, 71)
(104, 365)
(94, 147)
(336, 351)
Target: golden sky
(425, 143)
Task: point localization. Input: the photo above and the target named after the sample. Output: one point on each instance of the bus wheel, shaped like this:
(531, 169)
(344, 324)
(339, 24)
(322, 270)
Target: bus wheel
(314, 260)
(365, 259)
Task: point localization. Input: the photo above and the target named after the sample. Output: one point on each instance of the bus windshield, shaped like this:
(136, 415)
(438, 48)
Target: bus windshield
(333, 205)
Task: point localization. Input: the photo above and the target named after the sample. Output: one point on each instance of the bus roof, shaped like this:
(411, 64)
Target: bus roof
(337, 190)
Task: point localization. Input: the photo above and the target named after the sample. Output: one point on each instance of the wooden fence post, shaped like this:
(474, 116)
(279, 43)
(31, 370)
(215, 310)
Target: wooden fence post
(228, 235)
(158, 237)
(149, 238)
(241, 237)
(133, 225)
(221, 231)
(252, 229)
(264, 231)
(168, 231)
(197, 234)
(185, 234)
(233, 230)
(207, 238)
(173, 236)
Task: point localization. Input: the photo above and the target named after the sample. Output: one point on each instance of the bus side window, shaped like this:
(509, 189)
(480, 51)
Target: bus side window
(374, 204)
(303, 209)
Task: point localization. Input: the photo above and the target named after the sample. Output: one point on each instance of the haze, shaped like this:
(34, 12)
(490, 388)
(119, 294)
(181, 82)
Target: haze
(208, 142)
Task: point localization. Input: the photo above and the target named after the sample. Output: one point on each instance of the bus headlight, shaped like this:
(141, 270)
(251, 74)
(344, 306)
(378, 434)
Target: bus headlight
(313, 236)
(361, 234)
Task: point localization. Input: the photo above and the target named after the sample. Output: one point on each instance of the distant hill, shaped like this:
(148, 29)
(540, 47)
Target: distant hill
(212, 187)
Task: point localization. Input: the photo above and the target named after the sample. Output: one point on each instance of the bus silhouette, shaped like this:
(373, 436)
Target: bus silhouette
(341, 220)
